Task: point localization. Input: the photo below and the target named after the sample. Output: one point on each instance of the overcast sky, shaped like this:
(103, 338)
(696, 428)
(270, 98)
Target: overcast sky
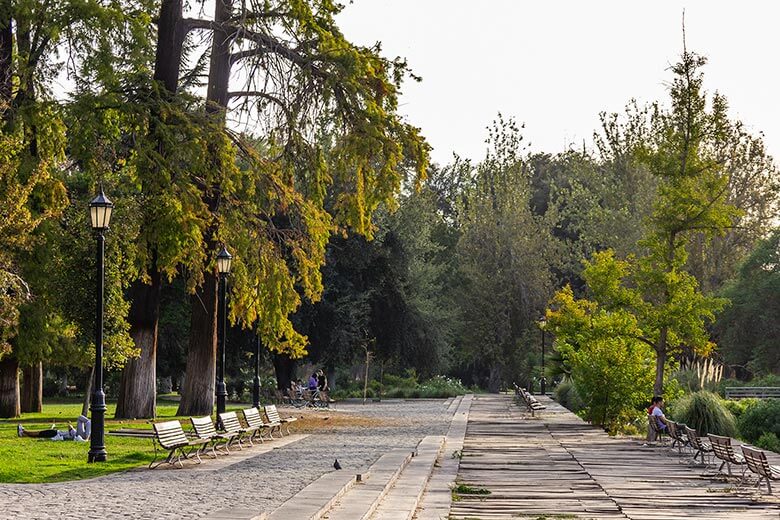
(555, 64)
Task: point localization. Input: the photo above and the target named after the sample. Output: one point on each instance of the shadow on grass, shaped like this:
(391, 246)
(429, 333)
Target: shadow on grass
(126, 462)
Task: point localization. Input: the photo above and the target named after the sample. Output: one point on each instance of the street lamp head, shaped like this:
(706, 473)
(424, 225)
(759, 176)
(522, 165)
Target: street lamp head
(543, 321)
(100, 211)
(224, 261)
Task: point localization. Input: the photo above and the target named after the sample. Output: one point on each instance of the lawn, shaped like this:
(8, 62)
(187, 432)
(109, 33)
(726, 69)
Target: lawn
(28, 459)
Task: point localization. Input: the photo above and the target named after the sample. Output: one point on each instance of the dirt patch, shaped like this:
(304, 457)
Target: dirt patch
(318, 421)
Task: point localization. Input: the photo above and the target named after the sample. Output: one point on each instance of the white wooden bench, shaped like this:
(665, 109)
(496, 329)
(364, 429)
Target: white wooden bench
(171, 437)
(276, 421)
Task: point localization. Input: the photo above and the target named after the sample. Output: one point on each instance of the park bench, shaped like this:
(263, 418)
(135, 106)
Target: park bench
(205, 429)
(232, 425)
(723, 449)
(170, 436)
(678, 436)
(760, 392)
(656, 430)
(530, 401)
(758, 464)
(701, 446)
(275, 419)
(253, 419)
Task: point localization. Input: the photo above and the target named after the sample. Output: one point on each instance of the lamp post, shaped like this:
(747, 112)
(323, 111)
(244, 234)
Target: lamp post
(100, 215)
(224, 259)
(256, 387)
(542, 325)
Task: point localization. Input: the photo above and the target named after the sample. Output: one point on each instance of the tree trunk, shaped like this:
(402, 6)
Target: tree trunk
(494, 380)
(197, 395)
(660, 363)
(9, 388)
(284, 367)
(6, 62)
(200, 379)
(137, 392)
(138, 389)
(32, 388)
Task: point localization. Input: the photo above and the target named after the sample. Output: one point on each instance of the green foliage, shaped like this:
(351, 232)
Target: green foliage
(405, 388)
(505, 254)
(769, 441)
(748, 330)
(763, 417)
(706, 413)
(567, 396)
(737, 407)
(611, 368)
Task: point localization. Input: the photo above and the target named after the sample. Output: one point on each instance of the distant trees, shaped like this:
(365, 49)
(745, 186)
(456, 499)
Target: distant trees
(505, 254)
(748, 331)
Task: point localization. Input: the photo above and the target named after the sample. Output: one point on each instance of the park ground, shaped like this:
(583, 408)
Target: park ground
(511, 465)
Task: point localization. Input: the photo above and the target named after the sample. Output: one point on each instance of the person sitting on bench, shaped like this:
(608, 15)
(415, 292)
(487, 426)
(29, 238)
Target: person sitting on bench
(657, 412)
(81, 433)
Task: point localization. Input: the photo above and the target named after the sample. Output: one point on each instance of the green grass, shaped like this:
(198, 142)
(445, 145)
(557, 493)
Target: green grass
(27, 460)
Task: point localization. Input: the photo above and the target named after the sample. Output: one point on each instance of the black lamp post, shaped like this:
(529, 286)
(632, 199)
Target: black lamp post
(542, 325)
(256, 387)
(100, 214)
(224, 259)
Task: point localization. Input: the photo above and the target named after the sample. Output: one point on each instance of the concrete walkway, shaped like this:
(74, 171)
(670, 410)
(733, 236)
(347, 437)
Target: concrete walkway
(556, 466)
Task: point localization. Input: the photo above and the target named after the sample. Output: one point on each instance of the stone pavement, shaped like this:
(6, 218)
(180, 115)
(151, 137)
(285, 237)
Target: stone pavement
(259, 483)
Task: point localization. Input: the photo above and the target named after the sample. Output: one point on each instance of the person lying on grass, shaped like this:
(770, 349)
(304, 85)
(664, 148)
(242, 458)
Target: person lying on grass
(80, 433)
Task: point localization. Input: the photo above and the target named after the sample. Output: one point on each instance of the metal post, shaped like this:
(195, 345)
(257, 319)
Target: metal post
(256, 388)
(544, 381)
(97, 446)
(221, 325)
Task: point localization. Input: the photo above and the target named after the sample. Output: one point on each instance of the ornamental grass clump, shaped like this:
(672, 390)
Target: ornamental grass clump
(704, 412)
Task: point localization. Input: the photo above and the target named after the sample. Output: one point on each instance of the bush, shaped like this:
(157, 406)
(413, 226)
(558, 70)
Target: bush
(566, 395)
(706, 413)
(738, 407)
(769, 441)
(763, 417)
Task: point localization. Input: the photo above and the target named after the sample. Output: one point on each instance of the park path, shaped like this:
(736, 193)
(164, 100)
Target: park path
(258, 480)
(554, 465)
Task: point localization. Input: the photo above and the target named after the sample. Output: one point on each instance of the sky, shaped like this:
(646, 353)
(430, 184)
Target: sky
(555, 64)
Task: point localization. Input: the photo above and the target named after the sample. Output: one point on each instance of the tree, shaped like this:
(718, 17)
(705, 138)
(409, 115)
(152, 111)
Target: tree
(199, 183)
(611, 367)
(748, 330)
(504, 258)
(692, 198)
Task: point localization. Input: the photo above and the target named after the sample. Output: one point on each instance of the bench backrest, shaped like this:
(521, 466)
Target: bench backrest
(170, 434)
(674, 431)
(654, 423)
(763, 392)
(272, 413)
(693, 437)
(756, 461)
(722, 448)
(230, 422)
(252, 417)
(204, 427)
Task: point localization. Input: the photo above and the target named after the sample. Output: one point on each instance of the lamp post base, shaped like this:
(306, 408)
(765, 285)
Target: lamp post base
(221, 396)
(97, 447)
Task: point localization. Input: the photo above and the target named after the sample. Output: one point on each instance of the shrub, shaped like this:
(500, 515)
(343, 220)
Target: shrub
(566, 395)
(769, 441)
(738, 407)
(705, 412)
(763, 417)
